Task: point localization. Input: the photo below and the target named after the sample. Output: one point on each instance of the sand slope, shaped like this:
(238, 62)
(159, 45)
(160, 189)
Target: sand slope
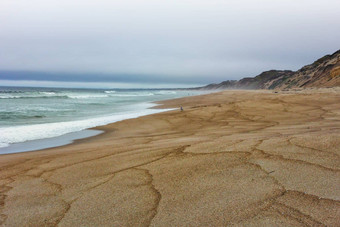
(243, 158)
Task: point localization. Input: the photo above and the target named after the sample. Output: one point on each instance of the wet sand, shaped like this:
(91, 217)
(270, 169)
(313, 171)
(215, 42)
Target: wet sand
(243, 158)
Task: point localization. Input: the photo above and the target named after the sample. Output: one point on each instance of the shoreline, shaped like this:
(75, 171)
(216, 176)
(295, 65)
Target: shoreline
(74, 112)
(47, 143)
(67, 138)
(41, 144)
(232, 157)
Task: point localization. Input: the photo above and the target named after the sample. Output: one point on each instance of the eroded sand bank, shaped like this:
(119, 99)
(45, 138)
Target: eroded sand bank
(239, 158)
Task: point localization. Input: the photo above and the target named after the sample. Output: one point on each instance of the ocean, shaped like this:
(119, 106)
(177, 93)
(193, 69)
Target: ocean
(30, 115)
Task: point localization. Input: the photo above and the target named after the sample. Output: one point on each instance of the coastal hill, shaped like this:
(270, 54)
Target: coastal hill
(325, 72)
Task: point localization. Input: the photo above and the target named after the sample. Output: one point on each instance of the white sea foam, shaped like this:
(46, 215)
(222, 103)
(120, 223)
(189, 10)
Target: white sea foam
(86, 96)
(3, 144)
(10, 96)
(24, 108)
(7, 96)
(166, 92)
(47, 93)
(133, 95)
(16, 134)
(54, 95)
(77, 95)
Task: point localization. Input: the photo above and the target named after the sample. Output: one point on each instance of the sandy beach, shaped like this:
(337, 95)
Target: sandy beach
(243, 158)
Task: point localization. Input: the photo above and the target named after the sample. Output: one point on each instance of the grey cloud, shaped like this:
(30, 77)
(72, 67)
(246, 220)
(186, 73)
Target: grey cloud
(162, 41)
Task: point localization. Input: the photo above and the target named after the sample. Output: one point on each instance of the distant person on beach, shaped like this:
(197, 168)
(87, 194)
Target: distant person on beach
(181, 108)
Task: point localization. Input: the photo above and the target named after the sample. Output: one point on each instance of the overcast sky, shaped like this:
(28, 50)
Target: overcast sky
(160, 42)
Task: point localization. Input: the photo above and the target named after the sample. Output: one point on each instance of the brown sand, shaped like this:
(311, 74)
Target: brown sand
(243, 158)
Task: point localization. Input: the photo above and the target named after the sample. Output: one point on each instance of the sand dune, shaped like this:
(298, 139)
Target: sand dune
(243, 158)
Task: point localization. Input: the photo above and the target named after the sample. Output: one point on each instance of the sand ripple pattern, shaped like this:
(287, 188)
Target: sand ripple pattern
(234, 158)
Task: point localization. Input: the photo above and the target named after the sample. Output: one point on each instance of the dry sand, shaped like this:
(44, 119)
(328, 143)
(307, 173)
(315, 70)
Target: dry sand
(243, 158)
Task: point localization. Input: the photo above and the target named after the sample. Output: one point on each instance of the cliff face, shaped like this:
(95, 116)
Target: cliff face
(324, 72)
(264, 80)
(224, 85)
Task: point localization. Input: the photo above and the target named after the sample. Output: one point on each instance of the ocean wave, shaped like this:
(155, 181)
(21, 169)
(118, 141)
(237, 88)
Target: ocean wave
(132, 95)
(17, 134)
(14, 91)
(47, 93)
(56, 96)
(20, 116)
(11, 115)
(86, 96)
(30, 108)
(31, 96)
(167, 92)
(63, 95)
